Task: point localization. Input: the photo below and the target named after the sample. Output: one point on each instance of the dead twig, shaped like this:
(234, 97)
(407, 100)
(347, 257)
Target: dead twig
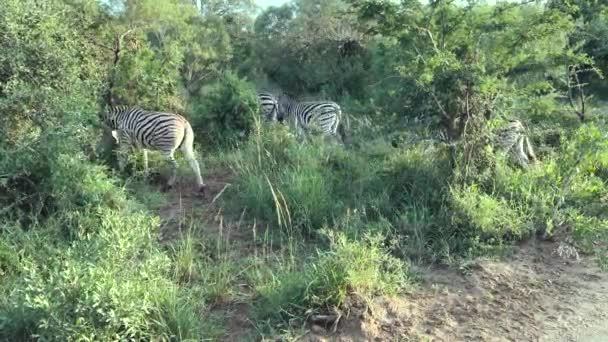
(220, 193)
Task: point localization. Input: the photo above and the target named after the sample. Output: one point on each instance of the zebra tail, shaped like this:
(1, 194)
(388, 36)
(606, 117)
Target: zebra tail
(188, 141)
(342, 128)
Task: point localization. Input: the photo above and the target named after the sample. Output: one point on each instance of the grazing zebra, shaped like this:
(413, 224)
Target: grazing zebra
(165, 132)
(268, 106)
(323, 115)
(513, 139)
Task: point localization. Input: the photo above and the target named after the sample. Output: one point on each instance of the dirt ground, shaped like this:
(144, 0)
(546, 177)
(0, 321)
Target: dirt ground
(534, 295)
(539, 293)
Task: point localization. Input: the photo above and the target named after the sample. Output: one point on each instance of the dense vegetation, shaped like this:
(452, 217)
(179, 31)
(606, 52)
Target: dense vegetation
(80, 257)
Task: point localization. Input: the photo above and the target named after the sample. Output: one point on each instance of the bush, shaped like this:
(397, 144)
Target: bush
(108, 280)
(563, 191)
(224, 112)
(283, 182)
(359, 268)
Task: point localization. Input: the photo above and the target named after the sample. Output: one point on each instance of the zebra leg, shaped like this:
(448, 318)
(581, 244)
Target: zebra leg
(146, 169)
(522, 156)
(301, 132)
(173, 163)
(123, 148)
(337, 138)
(530, 150)
(191, 158)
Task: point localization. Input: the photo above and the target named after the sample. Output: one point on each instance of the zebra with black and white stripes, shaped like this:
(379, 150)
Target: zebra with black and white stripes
(322, 115)
(513, 139)
(268, 106)
(148, 130)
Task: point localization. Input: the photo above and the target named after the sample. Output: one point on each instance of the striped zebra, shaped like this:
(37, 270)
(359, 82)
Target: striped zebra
(268, 106)
(146, 130)
(322, 115)
(513, 139)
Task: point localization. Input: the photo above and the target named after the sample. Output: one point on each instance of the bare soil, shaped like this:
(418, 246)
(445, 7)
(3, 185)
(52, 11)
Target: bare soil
(533, 295)
(536, 294)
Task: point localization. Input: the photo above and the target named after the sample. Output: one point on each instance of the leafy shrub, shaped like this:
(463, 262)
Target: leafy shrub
(361, 268)
(283, 182)
(108, 280)
(225, 112)
(489, 217)
(564, 190)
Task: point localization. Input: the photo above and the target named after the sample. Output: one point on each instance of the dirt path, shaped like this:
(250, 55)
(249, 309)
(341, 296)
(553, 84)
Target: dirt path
(533, 295)
(183, 206)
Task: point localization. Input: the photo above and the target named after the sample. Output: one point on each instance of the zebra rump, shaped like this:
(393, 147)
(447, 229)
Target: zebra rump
(513, 139)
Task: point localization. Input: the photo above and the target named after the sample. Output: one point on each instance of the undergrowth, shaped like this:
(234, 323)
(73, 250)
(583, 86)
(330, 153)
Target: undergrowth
(92, 269)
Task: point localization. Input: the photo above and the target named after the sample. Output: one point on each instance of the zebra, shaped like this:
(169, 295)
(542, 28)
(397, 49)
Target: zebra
(164, 132)
(268, 106)
(325, 115)
(513, 139)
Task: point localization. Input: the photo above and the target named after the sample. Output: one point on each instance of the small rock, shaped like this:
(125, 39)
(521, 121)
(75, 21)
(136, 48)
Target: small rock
(317, 329)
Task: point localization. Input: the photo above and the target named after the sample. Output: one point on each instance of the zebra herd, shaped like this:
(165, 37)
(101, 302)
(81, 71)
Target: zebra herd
(166, 132)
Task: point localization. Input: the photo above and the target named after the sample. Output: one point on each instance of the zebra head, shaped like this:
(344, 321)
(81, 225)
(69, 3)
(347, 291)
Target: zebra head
(110, 117)
(283, 104)
(273, 114)
(268, 106)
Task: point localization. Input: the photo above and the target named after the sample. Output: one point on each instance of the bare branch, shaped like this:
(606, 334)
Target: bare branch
(443, 112)
(384, 79)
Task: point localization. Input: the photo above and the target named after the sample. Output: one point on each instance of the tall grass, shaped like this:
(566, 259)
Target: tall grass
(359, 268)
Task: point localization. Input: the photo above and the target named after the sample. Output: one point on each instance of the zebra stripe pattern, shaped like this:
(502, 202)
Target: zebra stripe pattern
(513, 139)
(146, 130)
(324, 115)
(268, 106)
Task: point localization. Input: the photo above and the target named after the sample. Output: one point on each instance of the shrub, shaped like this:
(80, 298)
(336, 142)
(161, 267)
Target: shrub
(283, 182)
(500, 202)
(225, 112)
(361, 268)
(489, 217)
(108, 280)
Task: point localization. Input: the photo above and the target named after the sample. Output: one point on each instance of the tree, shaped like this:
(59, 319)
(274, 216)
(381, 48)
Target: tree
(313, 47)
(462, 62)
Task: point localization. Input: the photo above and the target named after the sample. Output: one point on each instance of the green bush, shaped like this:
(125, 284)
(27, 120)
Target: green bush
(225, 111)
(360, 268)
(564, 190)
(284, 182)
(108, 280)
(489, 217)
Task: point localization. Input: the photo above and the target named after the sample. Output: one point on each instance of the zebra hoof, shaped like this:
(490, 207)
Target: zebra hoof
(201, 190)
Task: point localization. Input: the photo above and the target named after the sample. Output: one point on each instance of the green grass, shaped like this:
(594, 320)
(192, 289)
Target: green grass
(326, 223)
(360, 268)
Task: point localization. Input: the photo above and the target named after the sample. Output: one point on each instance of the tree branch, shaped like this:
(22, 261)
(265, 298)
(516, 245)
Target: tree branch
(443, 112)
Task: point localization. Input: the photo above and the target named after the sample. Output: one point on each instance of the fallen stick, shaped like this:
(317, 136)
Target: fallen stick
(220, 193)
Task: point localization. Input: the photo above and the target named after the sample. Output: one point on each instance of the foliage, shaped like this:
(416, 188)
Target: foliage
(347, 269)
(313, 47)
(425, 89)
(45, 94)
(225, 111)
(72, 282)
